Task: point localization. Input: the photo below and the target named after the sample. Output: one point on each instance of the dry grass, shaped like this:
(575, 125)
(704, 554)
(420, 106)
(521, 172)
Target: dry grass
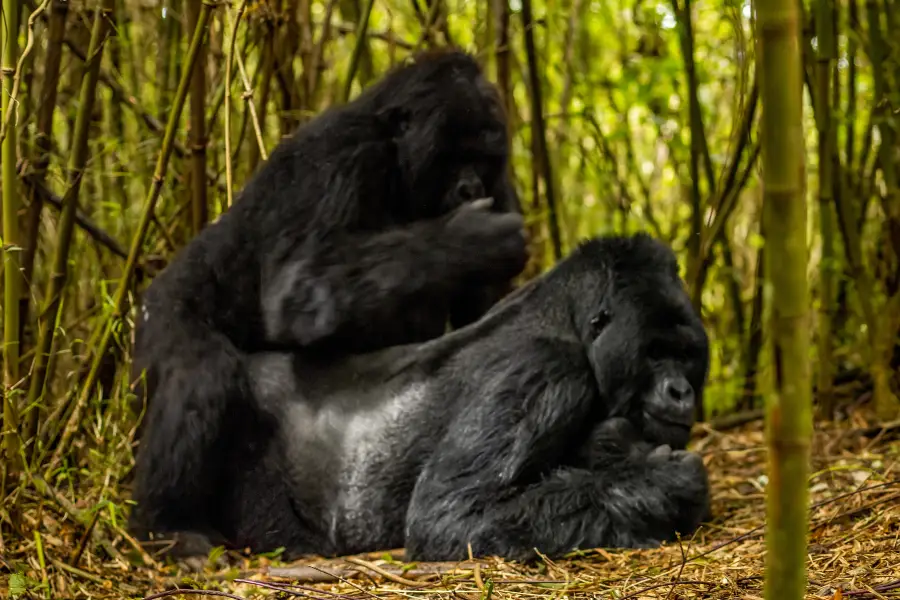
(854, 545)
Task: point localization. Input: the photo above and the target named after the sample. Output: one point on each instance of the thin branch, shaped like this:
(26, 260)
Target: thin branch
(229, 58)
(17, 76)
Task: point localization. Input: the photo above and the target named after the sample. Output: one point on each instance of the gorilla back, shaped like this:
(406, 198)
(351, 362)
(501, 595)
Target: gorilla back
(494, 435)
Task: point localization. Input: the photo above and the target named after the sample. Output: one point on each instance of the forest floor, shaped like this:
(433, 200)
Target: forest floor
(854, 549)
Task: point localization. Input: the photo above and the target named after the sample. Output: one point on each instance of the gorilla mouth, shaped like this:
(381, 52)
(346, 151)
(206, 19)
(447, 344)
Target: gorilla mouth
(666, 430)
(669, 421)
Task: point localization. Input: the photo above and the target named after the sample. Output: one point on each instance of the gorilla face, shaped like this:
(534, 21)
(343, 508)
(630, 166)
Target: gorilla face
(648, 348)
(449, 133)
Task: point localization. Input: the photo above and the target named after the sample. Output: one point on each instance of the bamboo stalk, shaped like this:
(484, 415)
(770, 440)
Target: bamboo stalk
(229, 64)
(105, 334)
(251, 106)
(694, 247)
(502, 54)
(75, 174)
(199, 202)
(850, 141)
(539, 129)
(12, 275)
(315, 65)
(267, 69)
(825, 54)
(789, 413)
(360, 43)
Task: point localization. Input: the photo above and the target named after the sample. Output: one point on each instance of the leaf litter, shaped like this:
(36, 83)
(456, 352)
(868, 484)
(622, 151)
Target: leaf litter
(853, 552)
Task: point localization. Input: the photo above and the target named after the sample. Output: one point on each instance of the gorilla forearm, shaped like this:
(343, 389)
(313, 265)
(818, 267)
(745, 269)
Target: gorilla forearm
(346, 288)
(635, 505)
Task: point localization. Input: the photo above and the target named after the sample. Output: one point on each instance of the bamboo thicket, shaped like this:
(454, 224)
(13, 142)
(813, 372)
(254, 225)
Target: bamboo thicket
(50, 311)
(104, 333)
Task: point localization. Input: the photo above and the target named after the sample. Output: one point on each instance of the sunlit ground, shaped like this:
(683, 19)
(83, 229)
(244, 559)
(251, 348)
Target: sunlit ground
(854, 544)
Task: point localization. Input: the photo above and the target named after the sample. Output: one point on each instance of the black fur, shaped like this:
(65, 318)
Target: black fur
(358, 233)
(549, 424)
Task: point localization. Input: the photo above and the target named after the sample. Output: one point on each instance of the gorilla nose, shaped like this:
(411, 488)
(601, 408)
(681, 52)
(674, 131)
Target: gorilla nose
(469, 189)
(678, 389)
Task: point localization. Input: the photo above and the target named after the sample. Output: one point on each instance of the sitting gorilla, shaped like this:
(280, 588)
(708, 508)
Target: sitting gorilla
(548, 424)
(364, 230)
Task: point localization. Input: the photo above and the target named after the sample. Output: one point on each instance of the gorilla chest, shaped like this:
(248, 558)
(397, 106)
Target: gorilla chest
(355, 460)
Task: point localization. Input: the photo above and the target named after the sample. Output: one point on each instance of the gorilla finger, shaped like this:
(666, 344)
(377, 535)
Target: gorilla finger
(687, 457)
(478, 204)
(664, 451)
(481, 203)
(510, 220)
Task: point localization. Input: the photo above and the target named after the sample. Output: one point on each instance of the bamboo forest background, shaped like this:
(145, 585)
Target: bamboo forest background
(626, 115)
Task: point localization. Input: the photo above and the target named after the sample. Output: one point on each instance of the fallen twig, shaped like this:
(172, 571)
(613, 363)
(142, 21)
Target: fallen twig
(383, 572)
(313, 574)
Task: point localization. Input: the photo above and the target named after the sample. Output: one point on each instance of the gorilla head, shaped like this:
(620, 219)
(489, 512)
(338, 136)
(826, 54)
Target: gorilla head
(449, 132)
(646, 343)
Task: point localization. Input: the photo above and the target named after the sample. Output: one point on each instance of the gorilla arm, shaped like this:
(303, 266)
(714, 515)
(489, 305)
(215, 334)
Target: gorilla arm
(337, 290)
(473, 301)
(497, 479)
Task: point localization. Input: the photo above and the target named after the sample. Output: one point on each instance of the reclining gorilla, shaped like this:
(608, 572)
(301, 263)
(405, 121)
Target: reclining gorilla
(358, 233)
(555, 422)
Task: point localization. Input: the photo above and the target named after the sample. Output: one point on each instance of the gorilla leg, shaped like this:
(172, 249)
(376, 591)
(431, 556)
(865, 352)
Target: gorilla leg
(202, 408)
(177, 470)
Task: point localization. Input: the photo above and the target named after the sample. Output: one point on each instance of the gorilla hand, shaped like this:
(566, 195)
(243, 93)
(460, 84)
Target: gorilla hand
(499, 238)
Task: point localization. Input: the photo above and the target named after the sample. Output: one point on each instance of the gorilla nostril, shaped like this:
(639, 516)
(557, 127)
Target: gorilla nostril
(468, 190)
(679, 388)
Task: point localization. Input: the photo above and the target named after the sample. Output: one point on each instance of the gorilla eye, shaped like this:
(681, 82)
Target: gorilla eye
(599, 322)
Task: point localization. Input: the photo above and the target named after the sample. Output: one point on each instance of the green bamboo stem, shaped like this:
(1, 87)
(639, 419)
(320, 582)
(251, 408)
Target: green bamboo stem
(686, 37)
(825, 58)
(75, 174)
(361, 29)
(789, 412)
(251, 105)
(12, 275)
(159, 177)
(219, 96)
(199, 201)
(850, 141)
(539, 130)
(313, 81)
(267, 68)
(229, 64)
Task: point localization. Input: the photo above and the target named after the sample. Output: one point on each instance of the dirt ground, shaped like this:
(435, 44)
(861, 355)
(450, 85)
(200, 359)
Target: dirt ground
(854, 549)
